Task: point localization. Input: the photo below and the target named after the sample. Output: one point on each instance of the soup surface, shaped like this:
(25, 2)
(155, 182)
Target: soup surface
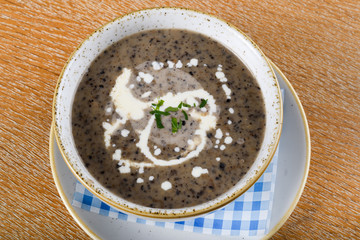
(168, 119)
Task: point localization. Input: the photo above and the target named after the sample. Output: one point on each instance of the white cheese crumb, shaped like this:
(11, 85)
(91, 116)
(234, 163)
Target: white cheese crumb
(205, 65)
(179, 64)
(139, 180)
(166, 185)
(125, 168)
(170, 64)
(198, 171)
(106, 125)
(217, 141)
(222, 147)
(193, 62)
(151, 178)
(231, 110)
(146, 76)
(218, 133)
(157, 65)
(146, 94)
(141, 170)
(228, 140)
(219, 75)
(227, 91)
(157, 151)
(125, 132)
(217, 159)
(224, 79)
(117, 155)
(229, 122)
(177, 149)
(114, 145)
(131, 86)
(227, 134)
(216, 146)
(155, 147)
(191, 144)
(108, 110)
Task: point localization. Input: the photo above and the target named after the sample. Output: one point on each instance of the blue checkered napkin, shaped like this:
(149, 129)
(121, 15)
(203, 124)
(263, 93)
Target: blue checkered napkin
(248, 215)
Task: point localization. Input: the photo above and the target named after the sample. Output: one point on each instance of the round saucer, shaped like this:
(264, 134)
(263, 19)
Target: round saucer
(292, 172)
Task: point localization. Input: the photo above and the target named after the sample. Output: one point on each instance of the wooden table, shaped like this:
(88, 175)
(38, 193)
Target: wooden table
(315, 43)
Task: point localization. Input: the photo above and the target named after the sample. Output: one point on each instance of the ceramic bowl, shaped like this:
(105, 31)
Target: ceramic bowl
(164, 18)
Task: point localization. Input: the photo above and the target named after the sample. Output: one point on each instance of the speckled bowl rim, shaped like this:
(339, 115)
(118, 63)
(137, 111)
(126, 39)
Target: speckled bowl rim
(154, 214)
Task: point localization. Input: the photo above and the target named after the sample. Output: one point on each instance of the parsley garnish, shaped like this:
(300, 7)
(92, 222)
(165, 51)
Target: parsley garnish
(160, 112)
(185, 115)
(172, 109)
(160, 103)
(203, 103)
(187, 105)
(158, 120)
(175, 124)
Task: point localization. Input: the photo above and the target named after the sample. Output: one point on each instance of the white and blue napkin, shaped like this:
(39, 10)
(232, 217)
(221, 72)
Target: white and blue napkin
(248, 215)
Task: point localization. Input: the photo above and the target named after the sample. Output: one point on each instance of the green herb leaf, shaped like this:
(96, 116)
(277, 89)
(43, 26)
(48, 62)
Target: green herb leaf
(160, 112)
(174, 125)
(160, 103)
(171, 109)
(158, 121)
(186, 105)
(164, 113)
(185, 115)
(203, 103)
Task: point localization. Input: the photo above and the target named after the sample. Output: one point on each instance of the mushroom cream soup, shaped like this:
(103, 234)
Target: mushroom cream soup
(168, 119)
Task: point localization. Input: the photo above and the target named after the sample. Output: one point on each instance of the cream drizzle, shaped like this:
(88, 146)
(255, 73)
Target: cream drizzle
(198, 171)
(121, 96)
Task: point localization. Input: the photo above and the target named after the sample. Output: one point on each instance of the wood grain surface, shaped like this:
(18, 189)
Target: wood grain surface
(315, 43)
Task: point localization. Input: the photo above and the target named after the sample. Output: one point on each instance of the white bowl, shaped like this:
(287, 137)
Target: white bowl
(160, 18)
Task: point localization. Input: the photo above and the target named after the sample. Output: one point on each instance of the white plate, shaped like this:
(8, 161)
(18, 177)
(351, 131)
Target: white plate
(293, 167)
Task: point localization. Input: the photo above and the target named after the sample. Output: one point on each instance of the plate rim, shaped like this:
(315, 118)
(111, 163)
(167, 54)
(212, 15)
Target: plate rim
(277, 226)
(287, 214)
(60, 189)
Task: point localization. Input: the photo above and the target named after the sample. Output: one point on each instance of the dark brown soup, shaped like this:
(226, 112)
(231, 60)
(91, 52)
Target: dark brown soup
(168, 119)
